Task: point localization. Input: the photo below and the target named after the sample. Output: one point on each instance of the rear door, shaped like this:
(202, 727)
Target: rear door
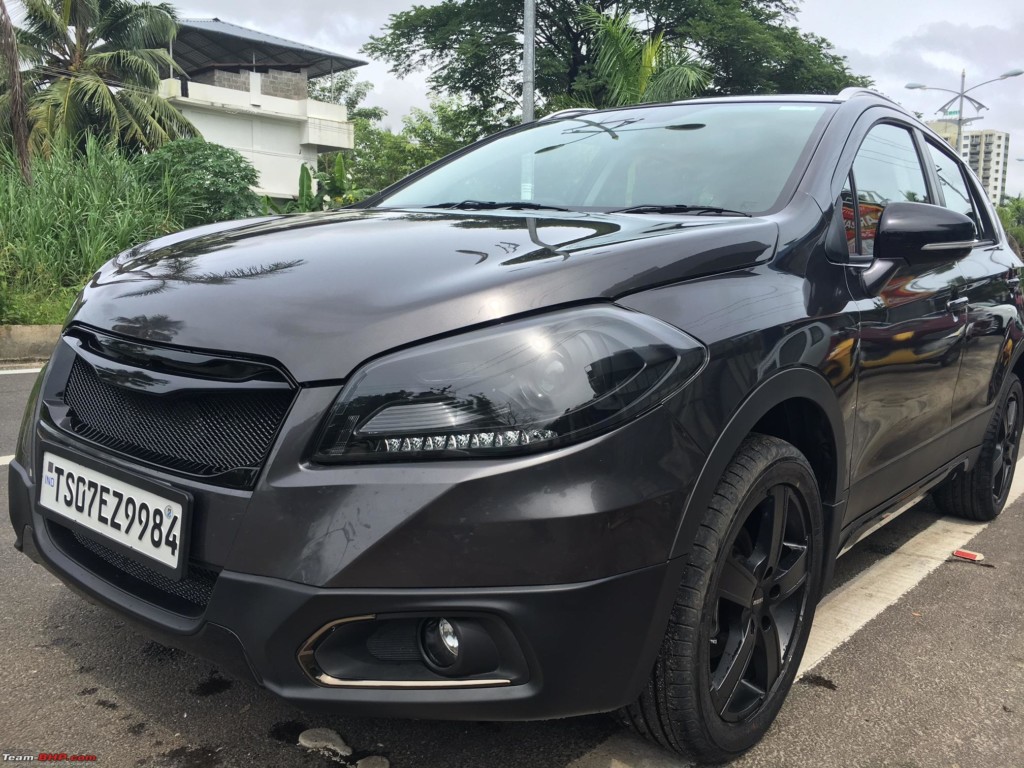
(992, 288)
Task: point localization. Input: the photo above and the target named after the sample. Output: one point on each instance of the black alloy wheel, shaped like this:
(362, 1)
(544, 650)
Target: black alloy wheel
(743, 611)
(981, 492)
(1004, 458)
(761, 602)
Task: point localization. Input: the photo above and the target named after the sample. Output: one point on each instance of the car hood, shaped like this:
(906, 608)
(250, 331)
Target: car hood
(321, 293)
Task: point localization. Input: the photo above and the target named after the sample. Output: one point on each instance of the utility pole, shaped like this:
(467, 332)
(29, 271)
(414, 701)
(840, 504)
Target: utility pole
(19, 117)
(960, 111)
(529, 58)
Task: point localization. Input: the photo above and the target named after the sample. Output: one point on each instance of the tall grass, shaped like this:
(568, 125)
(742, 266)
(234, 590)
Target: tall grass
(82, 209)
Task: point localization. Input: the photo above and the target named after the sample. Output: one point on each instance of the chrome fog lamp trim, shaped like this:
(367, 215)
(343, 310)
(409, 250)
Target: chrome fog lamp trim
(307, 661)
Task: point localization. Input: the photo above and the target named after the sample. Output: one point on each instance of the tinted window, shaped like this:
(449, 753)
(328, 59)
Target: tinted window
(738, 156)
(887, 170)
(953, 184)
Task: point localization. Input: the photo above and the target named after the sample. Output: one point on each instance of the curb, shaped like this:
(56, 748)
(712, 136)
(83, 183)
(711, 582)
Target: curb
(19, 343)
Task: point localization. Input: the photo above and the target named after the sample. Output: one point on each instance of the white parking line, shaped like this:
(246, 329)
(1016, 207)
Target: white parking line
(842, 613)
(5, 460)
(845, 611)
(15, 371)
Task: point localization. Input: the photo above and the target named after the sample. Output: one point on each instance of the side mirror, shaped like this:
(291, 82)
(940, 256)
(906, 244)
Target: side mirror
(923, 234)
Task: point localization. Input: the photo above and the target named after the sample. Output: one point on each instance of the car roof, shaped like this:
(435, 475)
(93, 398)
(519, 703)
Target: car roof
(846, 95)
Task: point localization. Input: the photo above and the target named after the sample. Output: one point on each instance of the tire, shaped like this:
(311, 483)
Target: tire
(981, 492)
(730, 606)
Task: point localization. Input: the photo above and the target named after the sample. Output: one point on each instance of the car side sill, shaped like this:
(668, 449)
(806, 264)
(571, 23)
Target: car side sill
(888, 511)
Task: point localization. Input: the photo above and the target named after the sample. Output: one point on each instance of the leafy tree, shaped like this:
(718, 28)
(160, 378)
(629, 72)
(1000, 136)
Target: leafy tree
(1011, 213)
(343, 88)
(95, 67)
(634, 70)
(445, 128)
(211, 183)
(473, 48)
(381, 156)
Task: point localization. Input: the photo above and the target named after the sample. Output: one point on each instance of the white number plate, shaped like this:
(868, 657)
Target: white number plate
(137, 519)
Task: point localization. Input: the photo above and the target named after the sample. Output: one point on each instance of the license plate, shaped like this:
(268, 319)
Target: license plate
(140, 522)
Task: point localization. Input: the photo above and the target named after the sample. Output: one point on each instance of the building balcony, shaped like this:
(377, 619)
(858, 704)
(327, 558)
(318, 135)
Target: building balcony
(277, 135)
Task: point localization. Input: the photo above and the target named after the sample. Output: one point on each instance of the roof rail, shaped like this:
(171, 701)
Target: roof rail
(567, 113)
(848, 93)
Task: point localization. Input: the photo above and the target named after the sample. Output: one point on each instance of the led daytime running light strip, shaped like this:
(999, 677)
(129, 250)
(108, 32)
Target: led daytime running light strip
(504, 439)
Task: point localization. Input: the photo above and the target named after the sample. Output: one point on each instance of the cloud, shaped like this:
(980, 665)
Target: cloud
(913, 42)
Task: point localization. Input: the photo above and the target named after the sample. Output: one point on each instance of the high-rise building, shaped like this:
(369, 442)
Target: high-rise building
(987, 152)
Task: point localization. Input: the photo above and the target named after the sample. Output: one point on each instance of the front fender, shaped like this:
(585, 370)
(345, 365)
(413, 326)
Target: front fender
(788, 384)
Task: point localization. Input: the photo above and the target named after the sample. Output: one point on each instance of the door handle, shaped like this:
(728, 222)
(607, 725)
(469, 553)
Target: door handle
(956, 304)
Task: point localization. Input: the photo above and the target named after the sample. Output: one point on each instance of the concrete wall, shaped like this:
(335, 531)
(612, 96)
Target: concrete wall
(285, 85)
(236, 81)
(275, 82)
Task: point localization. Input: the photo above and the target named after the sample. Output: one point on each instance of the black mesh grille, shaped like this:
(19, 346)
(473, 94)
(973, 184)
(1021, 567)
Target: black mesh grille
(188, 597)
(199, 433)
(195, 588)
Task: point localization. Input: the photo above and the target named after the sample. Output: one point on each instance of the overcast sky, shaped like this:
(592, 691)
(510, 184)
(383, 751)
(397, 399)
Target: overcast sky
(892, 41)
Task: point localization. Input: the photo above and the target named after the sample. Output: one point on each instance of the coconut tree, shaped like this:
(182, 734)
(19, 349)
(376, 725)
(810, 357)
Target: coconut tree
(95, 66)
(633, 69)
(12, 93)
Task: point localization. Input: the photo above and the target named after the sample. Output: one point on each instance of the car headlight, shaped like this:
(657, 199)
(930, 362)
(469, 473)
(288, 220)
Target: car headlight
(521, 386)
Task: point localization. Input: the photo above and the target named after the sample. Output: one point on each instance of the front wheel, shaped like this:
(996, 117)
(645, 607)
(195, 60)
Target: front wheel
(743, 611)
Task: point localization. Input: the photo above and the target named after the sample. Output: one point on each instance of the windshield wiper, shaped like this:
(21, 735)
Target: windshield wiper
(490, 205)
(695, 209)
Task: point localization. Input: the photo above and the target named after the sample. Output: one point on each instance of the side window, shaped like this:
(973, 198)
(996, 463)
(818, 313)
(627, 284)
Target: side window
(887, 170)
(954, 186)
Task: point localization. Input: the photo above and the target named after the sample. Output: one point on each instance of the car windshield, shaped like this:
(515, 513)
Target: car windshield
(737, 156)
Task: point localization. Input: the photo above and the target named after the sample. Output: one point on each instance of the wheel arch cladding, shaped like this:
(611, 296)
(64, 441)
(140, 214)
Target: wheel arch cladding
(797, 405)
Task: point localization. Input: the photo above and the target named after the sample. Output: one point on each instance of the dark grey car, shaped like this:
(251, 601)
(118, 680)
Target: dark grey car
(576, 420)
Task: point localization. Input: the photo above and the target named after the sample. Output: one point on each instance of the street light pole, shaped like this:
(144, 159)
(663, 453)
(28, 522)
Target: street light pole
(960, 111)
(961, 96)
(529, 58)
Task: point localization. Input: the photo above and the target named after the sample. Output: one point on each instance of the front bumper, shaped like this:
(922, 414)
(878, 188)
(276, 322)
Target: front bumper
(585, 647)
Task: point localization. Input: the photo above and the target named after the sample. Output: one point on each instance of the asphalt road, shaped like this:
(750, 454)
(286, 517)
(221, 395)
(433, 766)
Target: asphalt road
(936, 678)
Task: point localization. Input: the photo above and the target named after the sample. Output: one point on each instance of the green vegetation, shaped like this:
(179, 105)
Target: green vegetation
(632, 69)
(382, 156)
(211, 182)
(1011, 213)
(86, 205)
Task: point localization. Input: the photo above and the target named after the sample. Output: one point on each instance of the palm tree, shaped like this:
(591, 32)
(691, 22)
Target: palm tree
(633, 70)
(12, 93)
(95, 67)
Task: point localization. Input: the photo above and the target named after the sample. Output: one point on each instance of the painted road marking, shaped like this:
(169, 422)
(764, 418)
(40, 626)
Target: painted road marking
(5, 460)
(16, 371)
(845, 611)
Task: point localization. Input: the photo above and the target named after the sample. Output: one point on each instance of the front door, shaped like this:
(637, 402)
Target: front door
(910, 341)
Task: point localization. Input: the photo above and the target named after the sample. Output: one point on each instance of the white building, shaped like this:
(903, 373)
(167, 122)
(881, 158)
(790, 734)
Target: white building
(248, 91)
(987, 152)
